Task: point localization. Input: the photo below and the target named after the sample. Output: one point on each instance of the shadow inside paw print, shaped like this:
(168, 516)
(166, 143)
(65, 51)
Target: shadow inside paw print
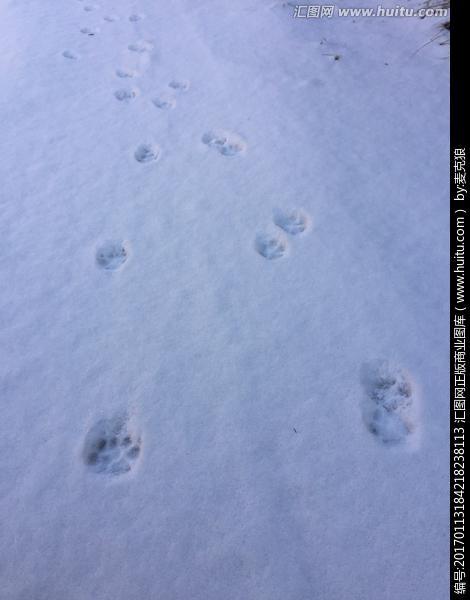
(111, 447)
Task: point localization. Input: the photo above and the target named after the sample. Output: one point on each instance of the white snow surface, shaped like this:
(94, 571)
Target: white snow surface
(150, 151)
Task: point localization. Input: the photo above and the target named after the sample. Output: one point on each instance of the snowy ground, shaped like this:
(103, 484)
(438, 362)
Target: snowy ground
(203, 264)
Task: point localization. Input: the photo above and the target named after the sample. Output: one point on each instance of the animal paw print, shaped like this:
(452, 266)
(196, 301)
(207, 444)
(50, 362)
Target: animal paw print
(388, 401)
(70, 55)
(179, 85)
(112, 447)
(147, 153)
(88, 31)
(164, 102)
(125, 73)
(226, 143)
(293, 222)
(140, 47)
(135, 18)
(125, 95)
(271, 245)
(111, 255)
(274, 245)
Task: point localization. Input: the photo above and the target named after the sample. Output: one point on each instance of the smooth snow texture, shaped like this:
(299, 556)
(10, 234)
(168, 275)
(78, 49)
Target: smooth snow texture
(138, 301)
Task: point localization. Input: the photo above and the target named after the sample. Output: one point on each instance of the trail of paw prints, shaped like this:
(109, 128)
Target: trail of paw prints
(274, 245)
(166, 101)
(387, 404)
(224, 142)
(112, 447)
(111, 255)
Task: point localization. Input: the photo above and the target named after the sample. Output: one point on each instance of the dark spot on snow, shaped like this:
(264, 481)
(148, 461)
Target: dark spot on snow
(92, 458)
(133, 452)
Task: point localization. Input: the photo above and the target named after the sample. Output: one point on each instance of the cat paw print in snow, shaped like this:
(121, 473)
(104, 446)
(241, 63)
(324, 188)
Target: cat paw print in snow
(164, 102)
(111, 255)
(140, 47)
(70, 55)
(112, 447)
(225, 142)
(125, 73)
(271, 245)
(126, 94)
(388, 401)
(147, 153)
(293, 221)
(179, 85)
(89, 31)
